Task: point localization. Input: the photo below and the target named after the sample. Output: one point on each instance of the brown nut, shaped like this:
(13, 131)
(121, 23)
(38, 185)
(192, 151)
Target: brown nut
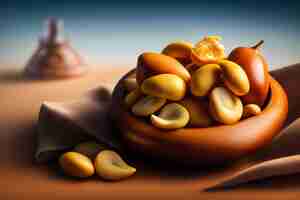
(147, 105)
(224, 106)
(130, 84)
(199, 115)
(204, 79)
(171, 116)
(180, 50)
(132, 97)
(235, 78)
(110, 166)
(150, 64)
(76, 165)
(167, 86)
(89, 149)
(251, 110)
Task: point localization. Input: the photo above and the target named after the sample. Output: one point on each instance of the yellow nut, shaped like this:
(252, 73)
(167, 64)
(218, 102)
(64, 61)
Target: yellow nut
(172, 116)
(224, 106)
(147, 105)
(130, 84)
(76, 165)
(180, 50)
(132, 97)
(89, 149)
(251, 110)
(199, 115)
(235, 78)
(167, 86)
(110, 166)
(204, 79)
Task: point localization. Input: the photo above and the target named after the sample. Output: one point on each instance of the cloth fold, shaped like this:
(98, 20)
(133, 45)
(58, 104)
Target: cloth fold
(63, 125)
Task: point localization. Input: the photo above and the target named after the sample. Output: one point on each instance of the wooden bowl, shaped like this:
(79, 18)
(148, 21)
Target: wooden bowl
(201, 146)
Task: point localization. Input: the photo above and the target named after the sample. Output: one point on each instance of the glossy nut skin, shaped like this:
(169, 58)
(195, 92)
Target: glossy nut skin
(210, 146)
(204, 79)
(198, 109)
(180, 50)
(251, 110)
(256, 69)
(235, 77)
(168, 86)
(147, 105)
(110, 166)
(171, 116)
(89, 149)
(224, 106)
(76, 165)
(150, 64)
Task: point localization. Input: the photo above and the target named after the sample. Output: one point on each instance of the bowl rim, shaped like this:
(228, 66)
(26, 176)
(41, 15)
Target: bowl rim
(211, 139)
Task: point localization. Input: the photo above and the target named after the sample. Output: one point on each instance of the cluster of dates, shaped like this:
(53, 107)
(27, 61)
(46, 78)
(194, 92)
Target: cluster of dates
(197, 86)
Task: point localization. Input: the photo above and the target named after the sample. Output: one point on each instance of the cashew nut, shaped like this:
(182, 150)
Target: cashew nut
(235, 78)
(132, 97)
(130, 84)
(76, 164)
(110, 166)
(224, 106)
(172, 116)
(204, 79)
(180, 50)
(167, 86)
(89, 149)
(199, 116)
(251, 110)
(147, 105)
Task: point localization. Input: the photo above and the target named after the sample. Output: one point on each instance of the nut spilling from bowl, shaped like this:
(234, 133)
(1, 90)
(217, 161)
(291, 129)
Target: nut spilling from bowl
(197, 86)
(90, 157)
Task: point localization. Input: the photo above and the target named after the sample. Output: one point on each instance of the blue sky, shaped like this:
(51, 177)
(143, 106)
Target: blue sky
(115, 32)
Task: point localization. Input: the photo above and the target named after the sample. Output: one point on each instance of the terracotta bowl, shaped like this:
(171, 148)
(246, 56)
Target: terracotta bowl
(201, 146)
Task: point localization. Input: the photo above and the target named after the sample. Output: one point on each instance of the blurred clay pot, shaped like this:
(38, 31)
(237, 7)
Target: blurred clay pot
(54, 57)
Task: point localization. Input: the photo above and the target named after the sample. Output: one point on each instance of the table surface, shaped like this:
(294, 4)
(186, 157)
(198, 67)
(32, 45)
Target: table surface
(21, 177)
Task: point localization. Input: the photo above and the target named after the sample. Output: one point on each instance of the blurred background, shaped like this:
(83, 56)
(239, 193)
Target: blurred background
(113, 33)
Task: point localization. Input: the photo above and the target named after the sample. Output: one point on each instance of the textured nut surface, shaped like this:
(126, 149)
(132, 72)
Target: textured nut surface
(208, 50)
(235, 78)
(89, 149)
(171, 116)
(204, 79)
(168, 86)
(147, 105)
(130, 84)
(180, 50)
(110, 166)
(132, 97)
(198, 109)
(224, 106)
(251, 110)
(150, 64)
(76, 165)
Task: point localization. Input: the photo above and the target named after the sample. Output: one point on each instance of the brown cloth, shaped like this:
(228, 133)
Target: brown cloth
(63, 125)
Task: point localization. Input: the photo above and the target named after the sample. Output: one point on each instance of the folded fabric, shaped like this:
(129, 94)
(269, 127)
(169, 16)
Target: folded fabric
(63, 125)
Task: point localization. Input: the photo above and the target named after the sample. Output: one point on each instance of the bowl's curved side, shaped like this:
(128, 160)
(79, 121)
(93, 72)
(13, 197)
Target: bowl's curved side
(202, 145)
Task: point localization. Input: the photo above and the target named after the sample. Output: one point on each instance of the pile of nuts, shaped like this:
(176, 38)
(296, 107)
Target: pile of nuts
(90, 157)
(196, 85)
